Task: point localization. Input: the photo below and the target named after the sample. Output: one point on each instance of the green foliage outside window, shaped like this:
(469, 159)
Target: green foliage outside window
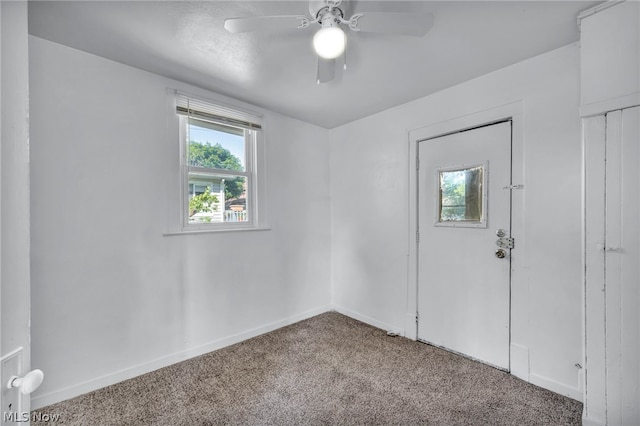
(461, 194)
(203, 203)
(218, 157)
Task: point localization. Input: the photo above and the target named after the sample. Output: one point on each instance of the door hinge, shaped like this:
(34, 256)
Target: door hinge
(417, 236)
(417, 163)
(520, 186)
(416, 317)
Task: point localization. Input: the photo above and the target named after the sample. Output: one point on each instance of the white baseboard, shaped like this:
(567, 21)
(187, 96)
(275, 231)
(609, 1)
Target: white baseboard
(519, 361)
(368, 320)
(410, 326)
(137, 370)
(589, 422)
(557, 387)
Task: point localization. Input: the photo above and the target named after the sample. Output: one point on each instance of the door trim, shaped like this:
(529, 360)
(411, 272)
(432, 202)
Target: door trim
(519, 359)
(466, 129)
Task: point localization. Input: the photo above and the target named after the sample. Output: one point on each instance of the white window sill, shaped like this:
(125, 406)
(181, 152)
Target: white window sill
(213, 231)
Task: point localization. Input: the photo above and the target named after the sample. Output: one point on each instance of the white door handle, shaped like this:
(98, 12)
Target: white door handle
(27, 384)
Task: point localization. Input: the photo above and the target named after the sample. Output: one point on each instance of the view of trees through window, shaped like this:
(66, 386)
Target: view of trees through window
(205, 202)
(217, 157)
(461, 195)
(216, 192)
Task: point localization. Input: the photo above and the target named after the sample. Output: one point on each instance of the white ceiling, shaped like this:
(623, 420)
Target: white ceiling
(186, 41)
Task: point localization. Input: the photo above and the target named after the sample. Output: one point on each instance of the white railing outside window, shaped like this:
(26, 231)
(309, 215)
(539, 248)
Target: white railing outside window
(235, 216)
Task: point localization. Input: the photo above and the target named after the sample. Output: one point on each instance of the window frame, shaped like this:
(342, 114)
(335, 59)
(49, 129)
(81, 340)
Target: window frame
(253, 173)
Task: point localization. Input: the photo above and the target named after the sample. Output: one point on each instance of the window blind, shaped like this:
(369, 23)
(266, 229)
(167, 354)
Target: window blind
(203, 110)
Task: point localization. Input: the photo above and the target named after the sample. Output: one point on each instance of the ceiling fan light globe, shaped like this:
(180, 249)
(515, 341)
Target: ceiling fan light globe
(329, 42)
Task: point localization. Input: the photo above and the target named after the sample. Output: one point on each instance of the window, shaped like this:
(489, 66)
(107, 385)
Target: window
(462, 196)
(218, 146)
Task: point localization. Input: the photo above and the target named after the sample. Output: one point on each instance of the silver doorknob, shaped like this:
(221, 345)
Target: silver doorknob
(500, 254)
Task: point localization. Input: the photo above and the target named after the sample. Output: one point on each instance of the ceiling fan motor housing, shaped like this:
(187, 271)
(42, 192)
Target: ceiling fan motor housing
(319, 8)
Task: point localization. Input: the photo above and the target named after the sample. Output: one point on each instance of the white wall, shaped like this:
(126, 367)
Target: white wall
(609, 46)
(112, 296)
(370, 219)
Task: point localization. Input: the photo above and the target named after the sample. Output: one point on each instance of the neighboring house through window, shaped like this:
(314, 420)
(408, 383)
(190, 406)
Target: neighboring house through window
(218, 146)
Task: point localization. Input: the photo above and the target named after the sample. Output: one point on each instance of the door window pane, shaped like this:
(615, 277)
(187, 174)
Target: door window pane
(461, 195)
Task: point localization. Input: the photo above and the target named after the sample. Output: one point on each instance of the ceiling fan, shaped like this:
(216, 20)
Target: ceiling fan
(330, 40)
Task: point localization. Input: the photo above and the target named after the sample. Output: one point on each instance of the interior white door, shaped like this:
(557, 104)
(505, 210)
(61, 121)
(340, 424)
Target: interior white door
(621, 251)
(464, 199)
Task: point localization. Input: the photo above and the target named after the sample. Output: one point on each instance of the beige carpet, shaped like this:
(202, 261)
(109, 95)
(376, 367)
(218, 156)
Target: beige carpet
(326, 370)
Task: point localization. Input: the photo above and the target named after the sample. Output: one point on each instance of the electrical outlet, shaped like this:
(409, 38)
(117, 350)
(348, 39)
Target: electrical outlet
(11, 365)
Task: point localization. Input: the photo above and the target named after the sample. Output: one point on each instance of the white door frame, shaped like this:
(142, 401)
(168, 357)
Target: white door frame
(14, 201)
(514, 111)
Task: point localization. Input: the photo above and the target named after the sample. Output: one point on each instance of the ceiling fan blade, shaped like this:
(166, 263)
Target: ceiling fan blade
(396, 23)
(263, 23)
(326, 70)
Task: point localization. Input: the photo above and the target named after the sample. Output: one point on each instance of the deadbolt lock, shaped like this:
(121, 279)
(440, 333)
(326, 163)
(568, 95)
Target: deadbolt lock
(506, 243)
(501, 233)
(501, 254)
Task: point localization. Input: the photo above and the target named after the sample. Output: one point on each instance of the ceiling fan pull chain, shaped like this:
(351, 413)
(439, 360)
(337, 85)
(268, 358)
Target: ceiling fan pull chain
(344, 66)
